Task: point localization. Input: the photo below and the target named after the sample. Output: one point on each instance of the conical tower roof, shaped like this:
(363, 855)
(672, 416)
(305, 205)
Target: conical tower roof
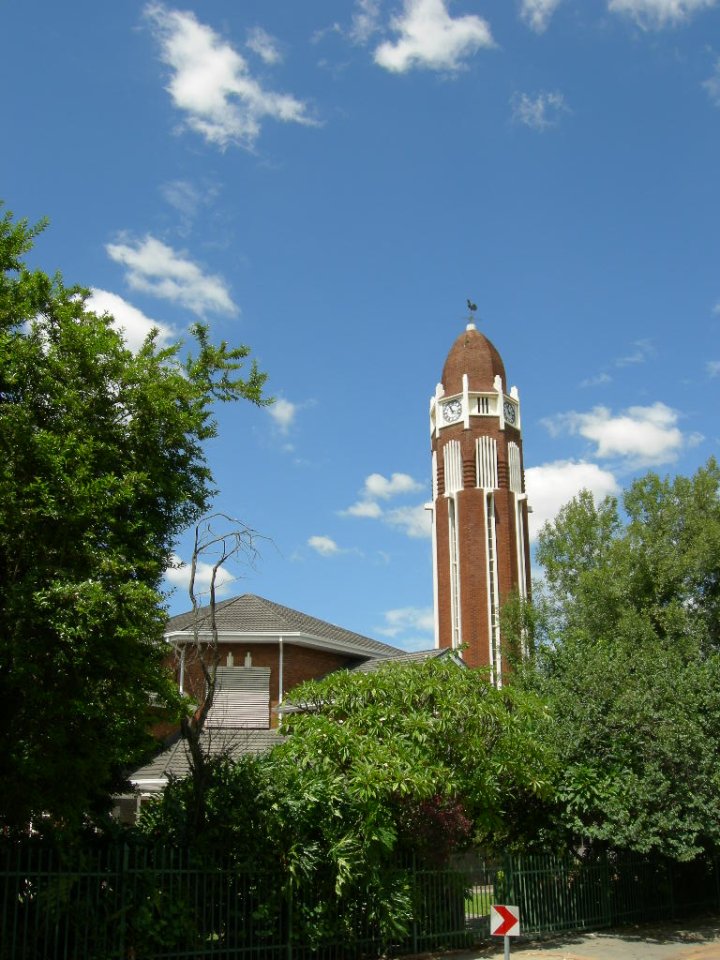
(473, 354)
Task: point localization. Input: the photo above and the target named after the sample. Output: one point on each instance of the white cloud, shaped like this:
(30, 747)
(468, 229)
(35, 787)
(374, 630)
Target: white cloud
(551, 485)
(429, 37)
(413, 521)
(157, 269)
(283, 413)
(264, 45)
(131, 322)
(537, 13)
(712, 84)
(659, 13)
(179, 576)
(408, 618)
(596, 381)
(713, 368)
(325, 546)
(210, 82)
(539, 112)
(377, 487)
(382, 488)
(365, 20)
(643, 349)
(643, 436)
(364, 508)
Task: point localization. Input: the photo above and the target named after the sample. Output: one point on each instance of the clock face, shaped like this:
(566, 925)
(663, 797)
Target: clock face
(509, 412)
(452, 411)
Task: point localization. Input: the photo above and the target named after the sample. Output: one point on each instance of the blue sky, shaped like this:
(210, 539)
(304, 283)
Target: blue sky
(327, 181)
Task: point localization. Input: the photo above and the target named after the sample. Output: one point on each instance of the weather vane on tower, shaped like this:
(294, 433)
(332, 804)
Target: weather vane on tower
(472, 307)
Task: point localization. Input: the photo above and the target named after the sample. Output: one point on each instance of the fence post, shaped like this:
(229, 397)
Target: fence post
(288, 934)
(124, 866)
(415, 903)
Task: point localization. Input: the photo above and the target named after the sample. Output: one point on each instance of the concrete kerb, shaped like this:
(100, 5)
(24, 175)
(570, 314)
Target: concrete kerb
(698, 940)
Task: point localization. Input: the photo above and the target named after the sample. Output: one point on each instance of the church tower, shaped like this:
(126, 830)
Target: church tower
(479, 511)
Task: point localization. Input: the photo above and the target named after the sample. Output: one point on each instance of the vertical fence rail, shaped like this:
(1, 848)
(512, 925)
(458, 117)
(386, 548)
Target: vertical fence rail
(133, 902)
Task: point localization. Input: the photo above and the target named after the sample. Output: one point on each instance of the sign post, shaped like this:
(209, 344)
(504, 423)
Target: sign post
(505, 922)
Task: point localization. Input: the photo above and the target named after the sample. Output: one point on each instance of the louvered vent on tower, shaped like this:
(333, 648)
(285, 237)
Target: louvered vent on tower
(453, 466)
(514, 467)
(486, 460)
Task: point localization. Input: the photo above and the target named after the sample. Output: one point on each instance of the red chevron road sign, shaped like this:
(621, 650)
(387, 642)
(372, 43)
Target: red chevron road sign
(504, 921)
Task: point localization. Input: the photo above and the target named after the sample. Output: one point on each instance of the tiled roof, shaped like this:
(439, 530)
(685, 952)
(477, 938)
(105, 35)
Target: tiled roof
(371, 666)
(255, 615)
(174, 761)
(418, 656)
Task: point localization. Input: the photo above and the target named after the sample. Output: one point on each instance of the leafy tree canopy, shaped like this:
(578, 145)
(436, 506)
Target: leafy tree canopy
(628, 660)
(101, 467)
(411, 760)
(412, 747)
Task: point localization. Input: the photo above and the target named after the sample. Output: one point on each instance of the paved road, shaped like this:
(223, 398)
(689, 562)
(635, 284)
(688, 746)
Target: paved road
(700, 941)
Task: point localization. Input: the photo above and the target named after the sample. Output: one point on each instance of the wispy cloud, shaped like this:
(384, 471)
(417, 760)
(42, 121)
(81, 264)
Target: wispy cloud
(264, 45)
(537, 13)
(365, 20)
(428, 37)
(597, 381)
(377, 487)
(655, 14)
(713, 368)
(412, 521)
(639, 436)
(405, 619)
(179, 576)
(539, 112)
(188, 200)
(325, 546)
(642, 351)
(211, 84)
(712, 84)
(283, 413)
(155, 268)
(551, 485)
(131, 322)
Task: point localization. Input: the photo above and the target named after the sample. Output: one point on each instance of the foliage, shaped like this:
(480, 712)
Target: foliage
(429, 741)
(381, 769)
(629, 663)
(102, 466)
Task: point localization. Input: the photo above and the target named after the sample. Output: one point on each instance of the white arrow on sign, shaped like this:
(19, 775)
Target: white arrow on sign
(504, 921)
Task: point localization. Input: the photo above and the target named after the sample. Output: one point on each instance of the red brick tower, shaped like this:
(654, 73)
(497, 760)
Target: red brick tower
(479, 511)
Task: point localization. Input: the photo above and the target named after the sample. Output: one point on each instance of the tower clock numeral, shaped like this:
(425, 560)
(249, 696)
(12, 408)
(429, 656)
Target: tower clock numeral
(452, 411)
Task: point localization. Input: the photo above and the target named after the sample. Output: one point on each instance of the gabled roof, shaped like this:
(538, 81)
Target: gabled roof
(255, 616)
(372, 666)
(175, 761)
(417, 656)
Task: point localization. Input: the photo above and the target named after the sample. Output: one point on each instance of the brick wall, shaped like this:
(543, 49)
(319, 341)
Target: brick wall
(299, 664)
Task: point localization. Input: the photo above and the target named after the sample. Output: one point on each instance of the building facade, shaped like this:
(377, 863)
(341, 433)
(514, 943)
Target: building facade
(479, 508)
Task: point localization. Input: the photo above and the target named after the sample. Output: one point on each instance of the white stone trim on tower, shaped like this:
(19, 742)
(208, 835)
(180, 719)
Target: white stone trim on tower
(455, 579)
(493, 593)
(452, 456)
(514, 467)
(486, 468)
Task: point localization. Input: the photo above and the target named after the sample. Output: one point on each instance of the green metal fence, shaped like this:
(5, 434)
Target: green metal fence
(128, 902)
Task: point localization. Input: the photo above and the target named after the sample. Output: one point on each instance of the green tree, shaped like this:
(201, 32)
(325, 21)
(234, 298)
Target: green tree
(402, 749)
(101, 467)
(628, 661)
(378, 768)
